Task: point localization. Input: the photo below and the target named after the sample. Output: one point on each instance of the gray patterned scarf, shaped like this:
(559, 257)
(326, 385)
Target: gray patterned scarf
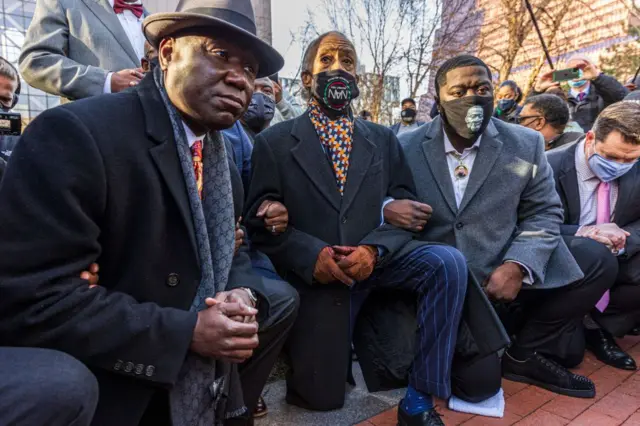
(201, 397)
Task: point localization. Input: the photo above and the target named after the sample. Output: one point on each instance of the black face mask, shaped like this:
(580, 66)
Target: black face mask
(408, 115)
(468, 116)
(260, 112)
(335, 89)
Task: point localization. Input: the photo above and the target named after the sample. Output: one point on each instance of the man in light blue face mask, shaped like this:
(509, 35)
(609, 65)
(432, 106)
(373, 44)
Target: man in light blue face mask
(598, 180)
(588, 95)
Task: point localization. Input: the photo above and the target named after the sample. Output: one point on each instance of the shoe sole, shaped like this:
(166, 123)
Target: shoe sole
(553, 388)
(260, 414)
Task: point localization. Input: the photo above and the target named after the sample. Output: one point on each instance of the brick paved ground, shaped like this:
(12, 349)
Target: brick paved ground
(617, 401)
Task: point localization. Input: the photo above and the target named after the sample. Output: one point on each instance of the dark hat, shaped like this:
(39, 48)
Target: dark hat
(235, 17)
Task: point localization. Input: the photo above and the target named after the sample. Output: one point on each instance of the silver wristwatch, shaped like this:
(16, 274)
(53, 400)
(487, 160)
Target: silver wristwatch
(252, 296)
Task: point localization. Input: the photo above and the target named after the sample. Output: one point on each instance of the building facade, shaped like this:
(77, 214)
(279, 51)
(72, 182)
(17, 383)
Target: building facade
(588, 29)
(16, 15)
(585, 30)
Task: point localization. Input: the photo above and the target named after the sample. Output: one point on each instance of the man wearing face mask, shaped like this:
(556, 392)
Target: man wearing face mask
(589, 95)
(549, 115)
(261, 109)
(598, 180)
(408, 116)
(495, 201)
(332, 173)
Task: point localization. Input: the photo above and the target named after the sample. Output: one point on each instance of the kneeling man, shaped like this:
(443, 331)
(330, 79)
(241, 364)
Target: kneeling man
(492, 194)
(597, 179)
(333, 173)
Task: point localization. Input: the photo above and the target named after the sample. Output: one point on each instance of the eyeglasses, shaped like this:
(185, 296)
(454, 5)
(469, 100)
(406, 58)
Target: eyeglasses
(524, 117)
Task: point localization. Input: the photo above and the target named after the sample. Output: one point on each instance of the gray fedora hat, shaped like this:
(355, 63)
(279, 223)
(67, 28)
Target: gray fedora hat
(233, 17)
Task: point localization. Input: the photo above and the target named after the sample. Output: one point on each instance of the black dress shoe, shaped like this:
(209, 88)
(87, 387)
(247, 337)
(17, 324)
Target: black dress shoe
(547, 374)
(426, 418)
(605, 348)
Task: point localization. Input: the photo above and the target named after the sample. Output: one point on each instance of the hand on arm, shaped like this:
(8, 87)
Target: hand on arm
(505, 282)
(275, 215)
(239, 236)
(124, 79)
(91, 275)
(407, 214)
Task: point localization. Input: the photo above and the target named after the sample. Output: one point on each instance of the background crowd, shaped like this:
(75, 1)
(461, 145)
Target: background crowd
(232, 223)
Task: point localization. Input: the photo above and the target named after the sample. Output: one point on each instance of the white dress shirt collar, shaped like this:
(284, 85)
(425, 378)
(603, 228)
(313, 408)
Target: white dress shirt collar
(191, 137)
(449, 149)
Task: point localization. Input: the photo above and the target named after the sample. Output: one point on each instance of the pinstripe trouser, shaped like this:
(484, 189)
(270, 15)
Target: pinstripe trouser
(438, 276)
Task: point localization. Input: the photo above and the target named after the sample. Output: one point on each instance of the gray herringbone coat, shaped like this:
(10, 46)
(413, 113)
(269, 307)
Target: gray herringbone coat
(510, 209)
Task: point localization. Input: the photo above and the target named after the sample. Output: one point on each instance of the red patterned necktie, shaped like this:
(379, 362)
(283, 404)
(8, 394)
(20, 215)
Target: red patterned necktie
(196, 155)
(120, 6)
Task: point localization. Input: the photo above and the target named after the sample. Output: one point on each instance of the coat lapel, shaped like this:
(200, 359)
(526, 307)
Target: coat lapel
(433, 148)
(568, 179)
(313, 160)
(105, 14)
(626, 186)
(165, 153)
(488, 152)
(359, 162)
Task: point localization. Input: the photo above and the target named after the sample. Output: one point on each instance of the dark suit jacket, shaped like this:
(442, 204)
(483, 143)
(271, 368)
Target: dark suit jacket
(289, 165)
(627, 209)
(114, 195)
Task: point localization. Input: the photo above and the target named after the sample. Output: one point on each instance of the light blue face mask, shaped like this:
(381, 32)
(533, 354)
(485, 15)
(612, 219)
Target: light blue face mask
(608, 170)
(577, 83)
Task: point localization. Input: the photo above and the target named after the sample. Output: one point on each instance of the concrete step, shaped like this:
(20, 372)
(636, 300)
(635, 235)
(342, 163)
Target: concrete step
(359, 406)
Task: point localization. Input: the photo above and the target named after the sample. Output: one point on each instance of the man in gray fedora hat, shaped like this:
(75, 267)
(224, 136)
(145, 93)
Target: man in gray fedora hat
(179, 331)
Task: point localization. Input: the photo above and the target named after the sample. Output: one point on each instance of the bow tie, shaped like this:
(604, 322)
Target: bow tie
(120, 6)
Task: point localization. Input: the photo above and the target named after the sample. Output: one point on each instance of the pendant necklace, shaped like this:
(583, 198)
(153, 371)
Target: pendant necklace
(461, 171)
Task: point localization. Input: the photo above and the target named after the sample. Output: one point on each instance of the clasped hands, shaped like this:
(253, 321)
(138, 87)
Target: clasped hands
(345, 264)
(226, 329)
(609, 234)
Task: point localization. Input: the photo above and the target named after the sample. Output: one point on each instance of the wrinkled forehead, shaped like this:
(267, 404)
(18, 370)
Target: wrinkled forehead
(334, 43)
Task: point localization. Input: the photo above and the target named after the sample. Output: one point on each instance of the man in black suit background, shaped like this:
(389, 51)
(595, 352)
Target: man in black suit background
(598, 180)
(142, 192)
(332, 173)
(549, 115)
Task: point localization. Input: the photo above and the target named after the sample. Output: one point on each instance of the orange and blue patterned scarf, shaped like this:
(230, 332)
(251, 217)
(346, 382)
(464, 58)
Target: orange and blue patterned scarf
(336, 136)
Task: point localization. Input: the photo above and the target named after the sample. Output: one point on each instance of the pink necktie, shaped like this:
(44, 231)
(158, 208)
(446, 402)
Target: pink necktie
(603, 215)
